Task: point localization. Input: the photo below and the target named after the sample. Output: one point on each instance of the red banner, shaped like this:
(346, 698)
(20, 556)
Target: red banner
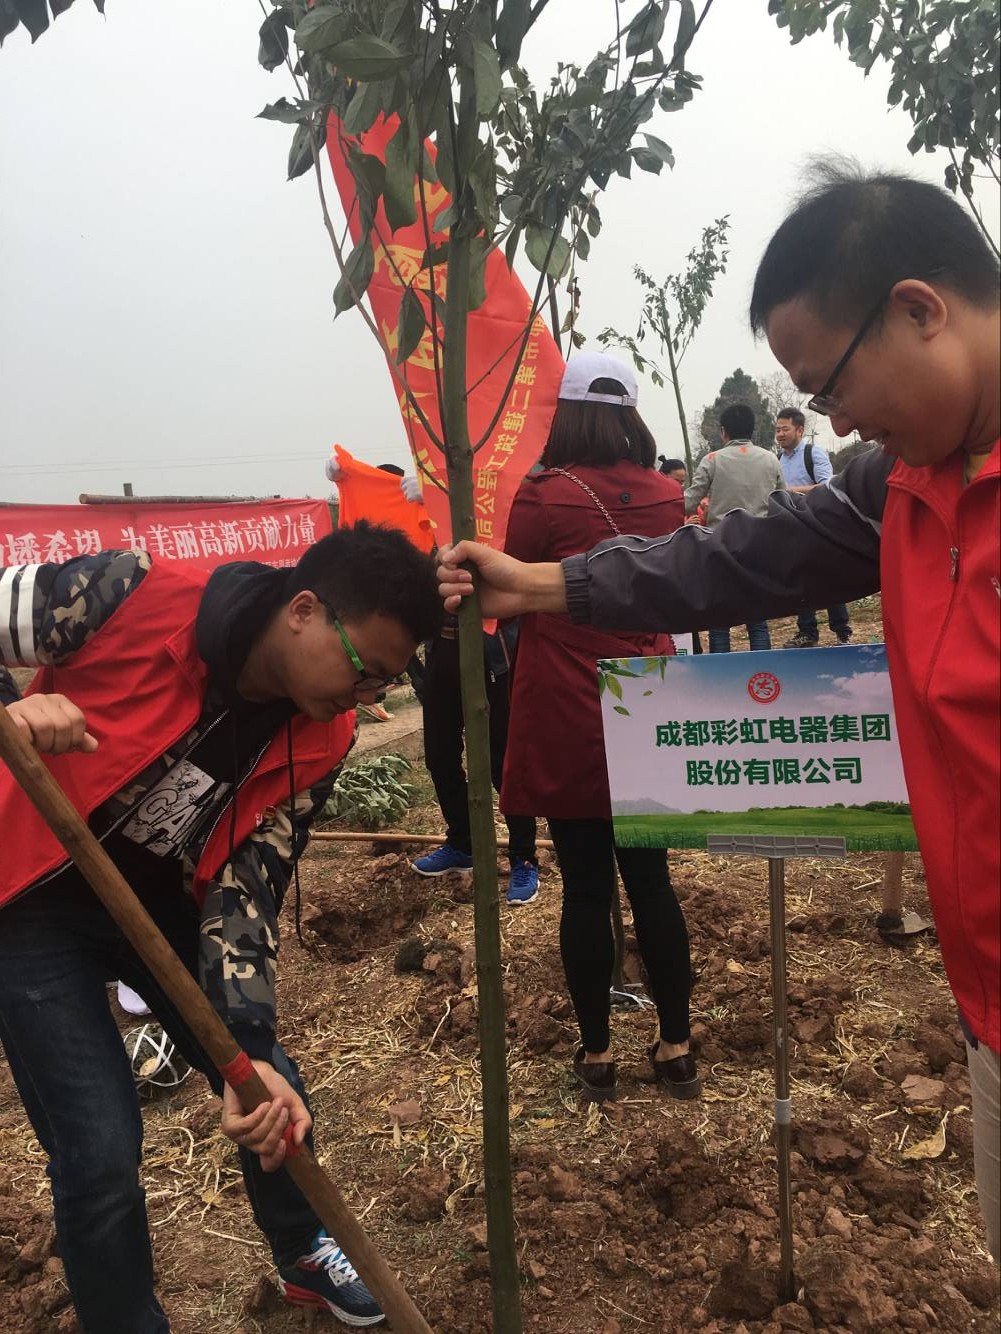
(518, 435)
(276, 532)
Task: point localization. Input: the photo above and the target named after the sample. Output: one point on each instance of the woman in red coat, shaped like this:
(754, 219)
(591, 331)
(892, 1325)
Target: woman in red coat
(599, 479)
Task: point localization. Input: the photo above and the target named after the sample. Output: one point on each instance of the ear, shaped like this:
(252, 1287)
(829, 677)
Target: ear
(921, 306)
(303, 609)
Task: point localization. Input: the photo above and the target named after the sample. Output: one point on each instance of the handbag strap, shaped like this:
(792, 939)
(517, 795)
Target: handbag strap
(563, 472)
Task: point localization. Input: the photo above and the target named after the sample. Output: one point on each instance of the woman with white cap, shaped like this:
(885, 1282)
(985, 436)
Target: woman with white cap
(598, 478)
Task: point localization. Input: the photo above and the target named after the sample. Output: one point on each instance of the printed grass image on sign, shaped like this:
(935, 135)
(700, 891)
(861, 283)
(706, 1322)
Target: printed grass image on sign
(777, 743)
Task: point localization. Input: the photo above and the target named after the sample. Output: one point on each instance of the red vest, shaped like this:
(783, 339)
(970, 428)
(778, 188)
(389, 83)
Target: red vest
(942, 616)
(140, 684)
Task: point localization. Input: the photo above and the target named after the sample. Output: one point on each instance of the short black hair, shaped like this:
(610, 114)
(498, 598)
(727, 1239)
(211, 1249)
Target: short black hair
(393, 468)
(672, 465)
(853, 236)
(366, 569)
(791, 414)
(737, 420)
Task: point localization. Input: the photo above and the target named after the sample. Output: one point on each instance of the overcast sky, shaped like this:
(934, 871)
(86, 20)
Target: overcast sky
(165, 294)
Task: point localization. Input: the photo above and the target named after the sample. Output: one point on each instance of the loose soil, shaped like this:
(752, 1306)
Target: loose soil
(650, 1215)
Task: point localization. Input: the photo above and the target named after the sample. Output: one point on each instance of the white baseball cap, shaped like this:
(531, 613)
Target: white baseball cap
(586, 367)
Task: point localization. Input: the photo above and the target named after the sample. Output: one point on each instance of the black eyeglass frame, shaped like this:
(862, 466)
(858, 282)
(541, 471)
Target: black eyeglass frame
(823, 402)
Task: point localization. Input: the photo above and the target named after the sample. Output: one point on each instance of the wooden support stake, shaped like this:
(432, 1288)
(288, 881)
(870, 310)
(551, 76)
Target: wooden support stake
(388, 836)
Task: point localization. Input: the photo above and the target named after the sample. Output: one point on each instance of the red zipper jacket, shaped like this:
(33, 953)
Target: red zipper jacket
(933, 545)
(140, 683)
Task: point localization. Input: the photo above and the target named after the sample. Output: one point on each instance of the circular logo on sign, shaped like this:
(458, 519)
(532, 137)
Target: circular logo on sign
(764, 688)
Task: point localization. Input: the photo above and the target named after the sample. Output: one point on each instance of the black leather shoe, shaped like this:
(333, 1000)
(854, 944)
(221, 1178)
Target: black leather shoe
(596, 1078)
(678, 1075)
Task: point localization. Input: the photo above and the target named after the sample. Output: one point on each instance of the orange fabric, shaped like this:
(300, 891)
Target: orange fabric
(516, 438)
(365, 492)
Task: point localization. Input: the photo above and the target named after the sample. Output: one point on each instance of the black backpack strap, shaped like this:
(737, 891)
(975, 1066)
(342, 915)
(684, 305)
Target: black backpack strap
(808, 460)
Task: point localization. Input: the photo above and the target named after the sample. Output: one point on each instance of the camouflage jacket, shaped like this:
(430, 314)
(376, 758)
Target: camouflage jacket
(239, 935)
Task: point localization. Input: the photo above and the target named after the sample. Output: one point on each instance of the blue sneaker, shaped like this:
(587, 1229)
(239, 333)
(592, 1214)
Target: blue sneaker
(326, 1278)
(523, 887)
(442, 860)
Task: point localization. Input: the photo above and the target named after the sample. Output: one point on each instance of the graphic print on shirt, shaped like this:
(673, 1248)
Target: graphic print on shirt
(166, 818)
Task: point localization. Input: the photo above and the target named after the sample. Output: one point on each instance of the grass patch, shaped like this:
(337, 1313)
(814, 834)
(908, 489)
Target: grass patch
(863, 831)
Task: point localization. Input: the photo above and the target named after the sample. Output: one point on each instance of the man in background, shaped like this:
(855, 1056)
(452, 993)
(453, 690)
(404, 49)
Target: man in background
(673, 468)
(737, 476)
(805, 466)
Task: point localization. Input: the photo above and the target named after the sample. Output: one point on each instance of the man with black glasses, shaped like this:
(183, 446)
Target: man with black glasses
(879, 295)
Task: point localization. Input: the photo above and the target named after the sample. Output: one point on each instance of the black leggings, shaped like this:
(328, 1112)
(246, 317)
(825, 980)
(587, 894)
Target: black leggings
(587, 856)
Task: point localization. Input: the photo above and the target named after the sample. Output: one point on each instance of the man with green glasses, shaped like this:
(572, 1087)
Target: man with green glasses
(198, 722)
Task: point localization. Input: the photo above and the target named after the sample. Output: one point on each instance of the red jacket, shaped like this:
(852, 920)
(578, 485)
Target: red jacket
(140, 684)
(941, 614)
(555, 760)
(932, 544)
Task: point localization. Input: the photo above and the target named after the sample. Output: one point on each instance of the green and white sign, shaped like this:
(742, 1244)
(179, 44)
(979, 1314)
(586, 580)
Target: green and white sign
(795, 743)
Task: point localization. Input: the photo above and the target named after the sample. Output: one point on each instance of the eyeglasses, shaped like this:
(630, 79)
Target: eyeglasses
(824, 400)
(366, 681)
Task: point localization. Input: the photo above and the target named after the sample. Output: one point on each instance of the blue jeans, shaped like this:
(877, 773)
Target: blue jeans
(757, 633)
(58, 950)
(837, 619)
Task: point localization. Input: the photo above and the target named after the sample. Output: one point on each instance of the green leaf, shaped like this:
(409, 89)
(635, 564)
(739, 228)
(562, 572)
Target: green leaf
(368, 101)
(619, 708)
(274, 41)
(34, 15)
(300, 155)
(615, 685)
(367, 58)
(662, 150)
(8, 19)
(513, 23)
(687, 24)
(369, 173)
(479, 250)
(323, 26)
(487, 77)
(646, 29)
(511, 247)
(511, 206)
(401, 178)
(437, 254)
(288, 113)
(411, 325)
(537, 243)
(358, 269)
(482, 180)
(647, 161)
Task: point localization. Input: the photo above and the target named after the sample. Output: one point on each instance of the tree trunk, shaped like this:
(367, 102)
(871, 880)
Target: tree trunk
(504, 1282)
(677, 396)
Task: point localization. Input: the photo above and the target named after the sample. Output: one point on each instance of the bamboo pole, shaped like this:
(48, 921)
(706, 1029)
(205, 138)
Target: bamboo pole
(232, 1063)
(384, 836)
(505, 1289)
